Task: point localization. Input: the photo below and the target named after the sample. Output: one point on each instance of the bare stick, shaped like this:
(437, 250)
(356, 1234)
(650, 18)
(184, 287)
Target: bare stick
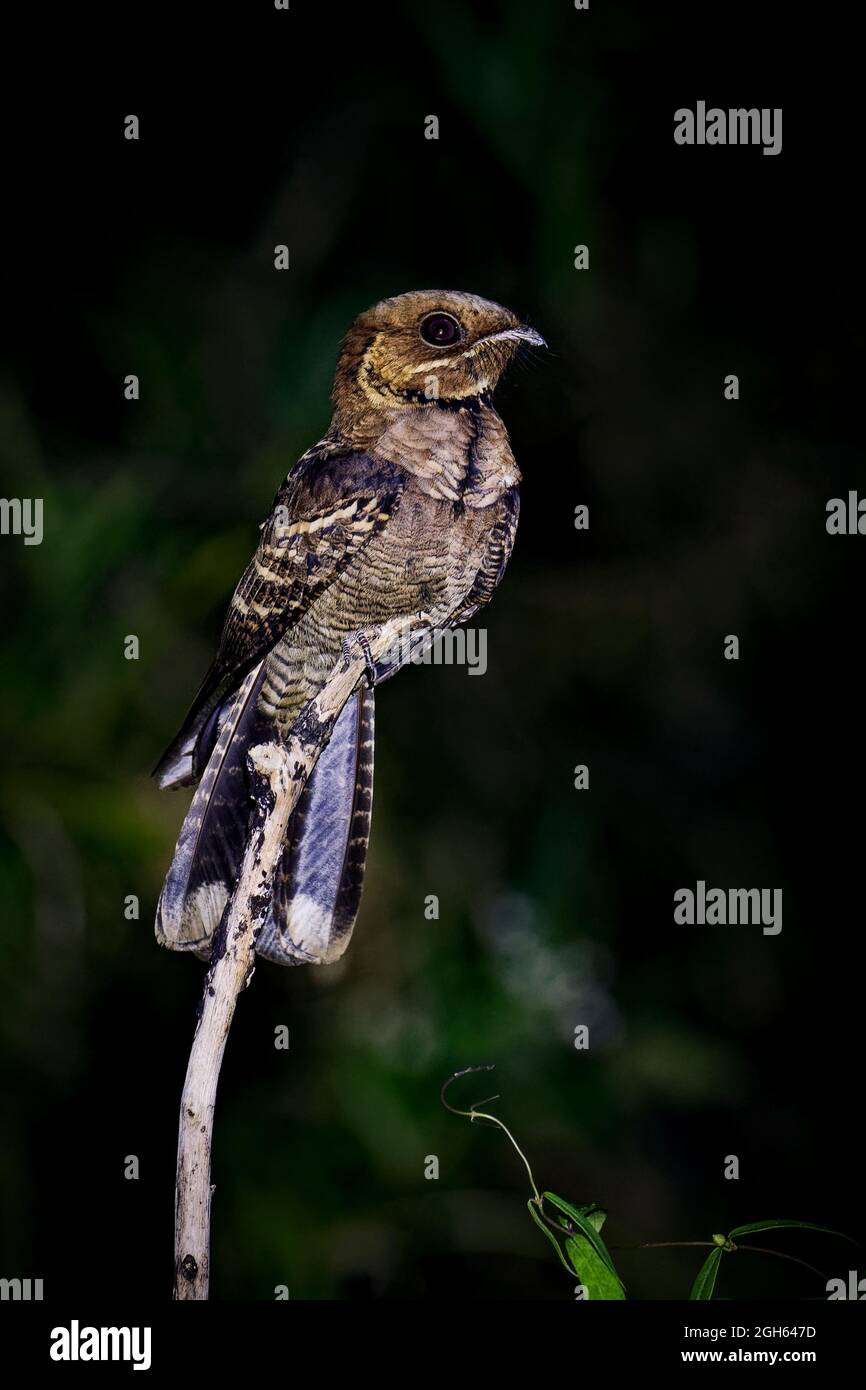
(280, 772)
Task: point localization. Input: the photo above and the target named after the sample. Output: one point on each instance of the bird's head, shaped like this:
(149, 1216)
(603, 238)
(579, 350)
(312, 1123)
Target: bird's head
(427, 346)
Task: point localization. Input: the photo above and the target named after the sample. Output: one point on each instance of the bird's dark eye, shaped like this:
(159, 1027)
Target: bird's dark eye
(440, 330)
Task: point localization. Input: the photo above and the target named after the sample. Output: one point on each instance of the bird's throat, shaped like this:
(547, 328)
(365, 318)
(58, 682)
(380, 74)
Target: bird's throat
(459, 455)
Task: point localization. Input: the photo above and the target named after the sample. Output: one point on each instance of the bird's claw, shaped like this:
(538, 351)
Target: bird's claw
(360, 639)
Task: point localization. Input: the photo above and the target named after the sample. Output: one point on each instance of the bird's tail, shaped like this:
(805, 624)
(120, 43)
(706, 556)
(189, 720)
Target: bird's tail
(317, 887)
(318, 882)
(182, 763)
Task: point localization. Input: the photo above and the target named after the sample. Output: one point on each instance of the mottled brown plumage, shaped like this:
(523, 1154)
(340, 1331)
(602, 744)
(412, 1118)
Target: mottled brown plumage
(406, 509)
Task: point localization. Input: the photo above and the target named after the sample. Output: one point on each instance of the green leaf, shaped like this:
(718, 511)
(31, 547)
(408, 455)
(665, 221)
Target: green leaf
(533, 1212)
(703, 1286)
(585, 1219)
(592, 1212)
(754, 1226)
(595, 1215)
(600, 1282)
(592, 1265)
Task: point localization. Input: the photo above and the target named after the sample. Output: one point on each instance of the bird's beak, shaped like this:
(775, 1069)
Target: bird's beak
(521, 334)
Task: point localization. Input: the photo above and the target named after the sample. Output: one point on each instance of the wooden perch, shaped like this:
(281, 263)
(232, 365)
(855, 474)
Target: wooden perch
(280, 773)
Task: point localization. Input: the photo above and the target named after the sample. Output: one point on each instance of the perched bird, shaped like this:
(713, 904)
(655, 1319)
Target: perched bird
(406, 509)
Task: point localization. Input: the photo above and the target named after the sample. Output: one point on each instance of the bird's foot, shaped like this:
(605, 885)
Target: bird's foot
(360, 639)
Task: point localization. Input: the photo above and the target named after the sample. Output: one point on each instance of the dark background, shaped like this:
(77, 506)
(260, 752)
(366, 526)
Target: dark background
(605, 648)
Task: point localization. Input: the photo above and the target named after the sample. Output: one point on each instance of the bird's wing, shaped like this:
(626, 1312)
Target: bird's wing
(500, 543)
(327, 510)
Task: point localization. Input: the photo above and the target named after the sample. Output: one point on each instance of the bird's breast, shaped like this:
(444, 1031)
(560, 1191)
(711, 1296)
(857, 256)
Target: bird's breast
(452, 456)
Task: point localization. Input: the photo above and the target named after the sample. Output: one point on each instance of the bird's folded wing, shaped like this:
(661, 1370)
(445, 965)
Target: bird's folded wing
(500, 543)
(327, 510)
(324, 513)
